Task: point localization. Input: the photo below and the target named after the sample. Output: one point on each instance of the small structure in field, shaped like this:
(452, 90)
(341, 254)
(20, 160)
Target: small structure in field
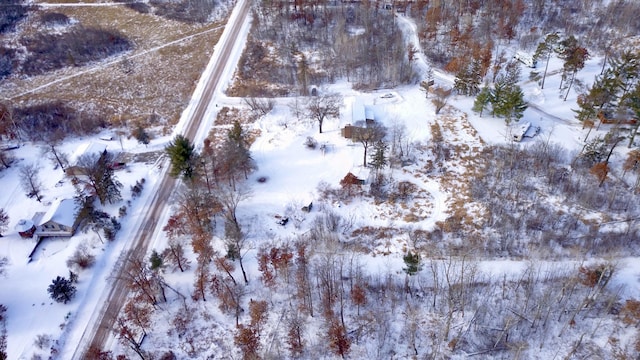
(25, 228)
(617, 119)
(307, 208)
(351, 179)
(525, 58)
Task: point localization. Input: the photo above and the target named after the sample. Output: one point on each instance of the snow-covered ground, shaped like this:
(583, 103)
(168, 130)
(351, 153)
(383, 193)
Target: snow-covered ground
(293, 173)
(30, 310)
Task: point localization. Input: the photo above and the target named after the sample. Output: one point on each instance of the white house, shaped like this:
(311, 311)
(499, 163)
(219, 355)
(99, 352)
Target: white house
(59, 220)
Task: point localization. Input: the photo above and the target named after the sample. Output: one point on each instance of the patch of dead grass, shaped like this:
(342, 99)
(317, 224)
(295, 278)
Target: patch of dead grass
(133, 86)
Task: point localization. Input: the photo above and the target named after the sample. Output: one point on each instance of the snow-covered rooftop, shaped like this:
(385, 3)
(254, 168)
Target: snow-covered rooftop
(358, 111)
(62, 211)
(90, 147)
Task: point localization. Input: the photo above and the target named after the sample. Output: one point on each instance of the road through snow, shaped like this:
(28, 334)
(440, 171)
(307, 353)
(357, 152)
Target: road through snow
(98, 331)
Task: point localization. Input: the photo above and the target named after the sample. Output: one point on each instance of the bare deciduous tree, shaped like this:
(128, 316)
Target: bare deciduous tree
(30, 180)
(51, 150)
(440, 98)
(323, 107)
(174, 255)
(260, 106)
(368, 136)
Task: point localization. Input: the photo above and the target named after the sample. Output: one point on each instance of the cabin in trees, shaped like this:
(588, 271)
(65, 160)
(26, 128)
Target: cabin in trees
(526, 59)
(617, 118)
(60, 220)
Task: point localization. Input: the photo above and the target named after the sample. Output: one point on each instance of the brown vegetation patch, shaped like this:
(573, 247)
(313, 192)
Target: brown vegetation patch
(130, 86)
(225, 120)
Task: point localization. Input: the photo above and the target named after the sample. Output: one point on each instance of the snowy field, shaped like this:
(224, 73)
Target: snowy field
(292, 174)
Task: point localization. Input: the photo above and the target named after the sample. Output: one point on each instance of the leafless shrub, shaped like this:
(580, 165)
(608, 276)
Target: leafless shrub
(329, 221)
(12, 13)
(379, 187)
(140, 7)
(81, 258)
(260, 106)
(311, 143)
(404, 190)
(42, 341)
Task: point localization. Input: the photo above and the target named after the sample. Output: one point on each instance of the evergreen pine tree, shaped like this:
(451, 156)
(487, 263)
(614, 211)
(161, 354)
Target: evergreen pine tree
(545, 49)
(183, 157)
(468, 79)
(61, 290)
(141, 135)
(109, 182)
(157, 262)
(507, 98)
(4, 221)
(482, 100)
(412, 262)
(514, 104)
(379, 156)
(100, 178)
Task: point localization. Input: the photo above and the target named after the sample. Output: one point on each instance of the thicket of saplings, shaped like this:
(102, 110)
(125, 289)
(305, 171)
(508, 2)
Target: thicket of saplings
(539, 202)
(76, 46)
(49, 50)
(54, 120)
(11, 12)
(360, 43)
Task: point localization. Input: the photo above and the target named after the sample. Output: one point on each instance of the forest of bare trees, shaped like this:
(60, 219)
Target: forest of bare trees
(359, 42)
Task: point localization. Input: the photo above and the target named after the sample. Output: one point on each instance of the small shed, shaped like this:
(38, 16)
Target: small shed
(25, 228)
(59, 220)
(347, 131)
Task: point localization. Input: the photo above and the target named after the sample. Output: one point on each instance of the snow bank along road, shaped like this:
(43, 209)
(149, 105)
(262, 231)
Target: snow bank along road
(99, 329)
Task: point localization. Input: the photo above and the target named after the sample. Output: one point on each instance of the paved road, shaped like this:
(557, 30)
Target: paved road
(99, 331)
